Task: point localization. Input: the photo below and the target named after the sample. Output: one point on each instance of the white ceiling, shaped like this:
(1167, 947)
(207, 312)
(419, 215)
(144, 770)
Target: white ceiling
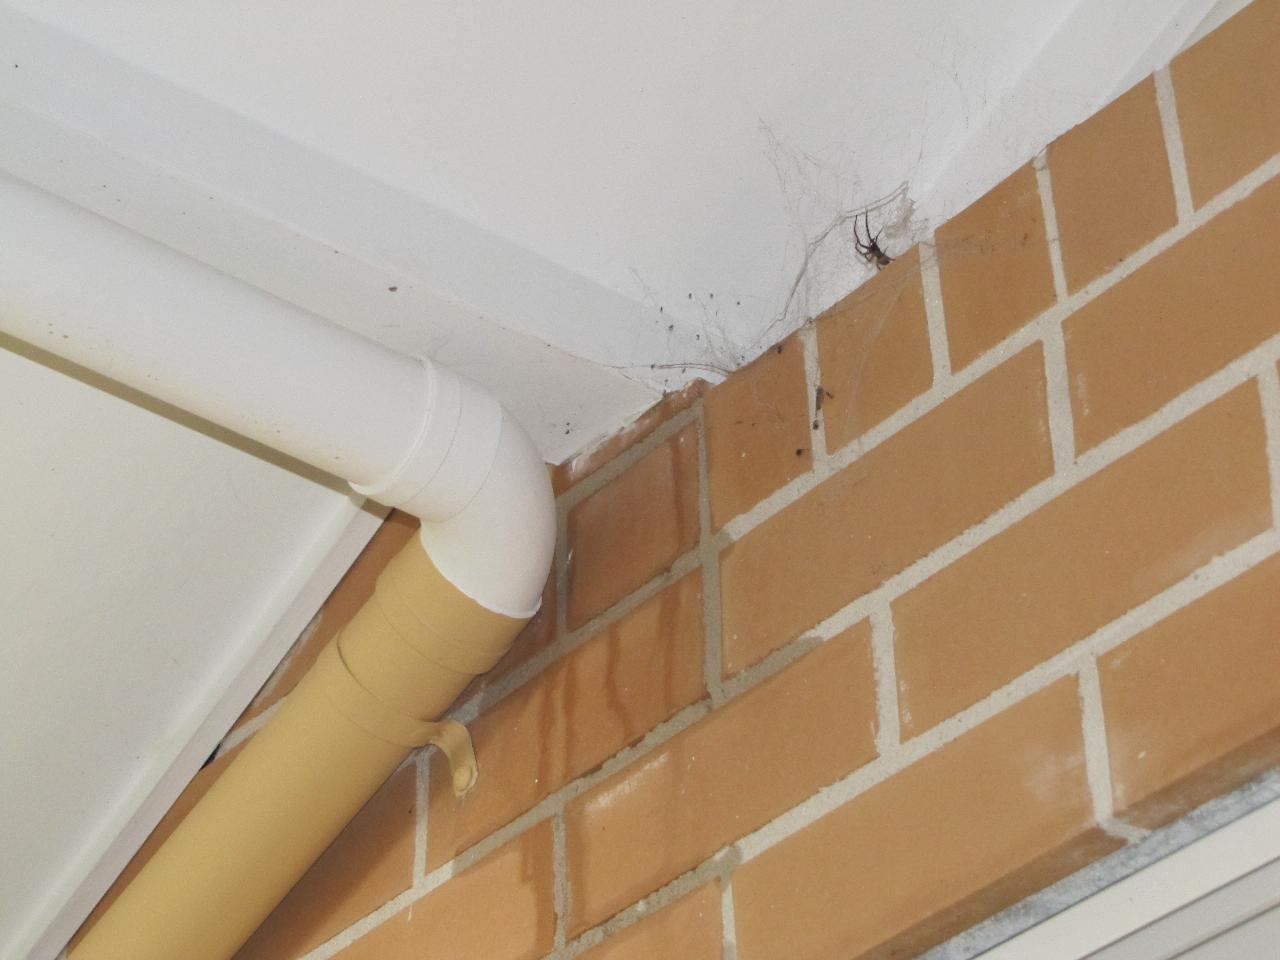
(578, 204)
(555, 182)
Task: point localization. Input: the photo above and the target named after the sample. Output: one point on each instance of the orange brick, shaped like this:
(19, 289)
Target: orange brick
(1200, 304)
(355, 587)
(1082, 560)
(633, 528)
(993, 816)
(502, 908)
(757, 431)
(727, 775)
(370, 863)
(584, 708)
(1112, 189)
(1192, 705)
(1228, 92)
(911, 494)
(189, 797)
(579, 467)
(874, 351)
(994, 262)
(689, 929)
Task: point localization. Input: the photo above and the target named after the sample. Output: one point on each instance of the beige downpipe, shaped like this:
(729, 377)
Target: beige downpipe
(368, 701)
(404, 431)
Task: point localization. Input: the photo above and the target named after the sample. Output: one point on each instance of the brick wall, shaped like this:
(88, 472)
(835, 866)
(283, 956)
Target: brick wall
(965, 585)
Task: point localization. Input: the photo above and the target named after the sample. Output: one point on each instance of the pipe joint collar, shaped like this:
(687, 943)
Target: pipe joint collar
(451, 454)
(376, 718)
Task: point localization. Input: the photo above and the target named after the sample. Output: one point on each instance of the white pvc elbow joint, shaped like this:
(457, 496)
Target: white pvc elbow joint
(478, 484)
(407, 433)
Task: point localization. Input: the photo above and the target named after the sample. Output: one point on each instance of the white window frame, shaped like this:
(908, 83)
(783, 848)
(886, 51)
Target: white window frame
(1156, 895)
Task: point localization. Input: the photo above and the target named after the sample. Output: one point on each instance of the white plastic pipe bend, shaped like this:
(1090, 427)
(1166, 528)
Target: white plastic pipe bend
(404, 431)
(469, 473)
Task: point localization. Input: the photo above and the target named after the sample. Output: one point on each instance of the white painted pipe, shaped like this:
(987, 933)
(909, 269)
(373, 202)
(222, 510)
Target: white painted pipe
(400, 429)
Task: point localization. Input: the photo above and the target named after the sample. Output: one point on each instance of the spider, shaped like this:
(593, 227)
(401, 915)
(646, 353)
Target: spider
(869, 251)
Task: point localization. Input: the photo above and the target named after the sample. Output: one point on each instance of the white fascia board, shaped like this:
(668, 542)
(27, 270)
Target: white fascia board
(570, 358)
(285, 613)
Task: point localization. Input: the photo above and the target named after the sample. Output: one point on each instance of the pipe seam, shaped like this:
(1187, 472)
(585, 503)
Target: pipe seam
(364, 708)
(423, 459)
